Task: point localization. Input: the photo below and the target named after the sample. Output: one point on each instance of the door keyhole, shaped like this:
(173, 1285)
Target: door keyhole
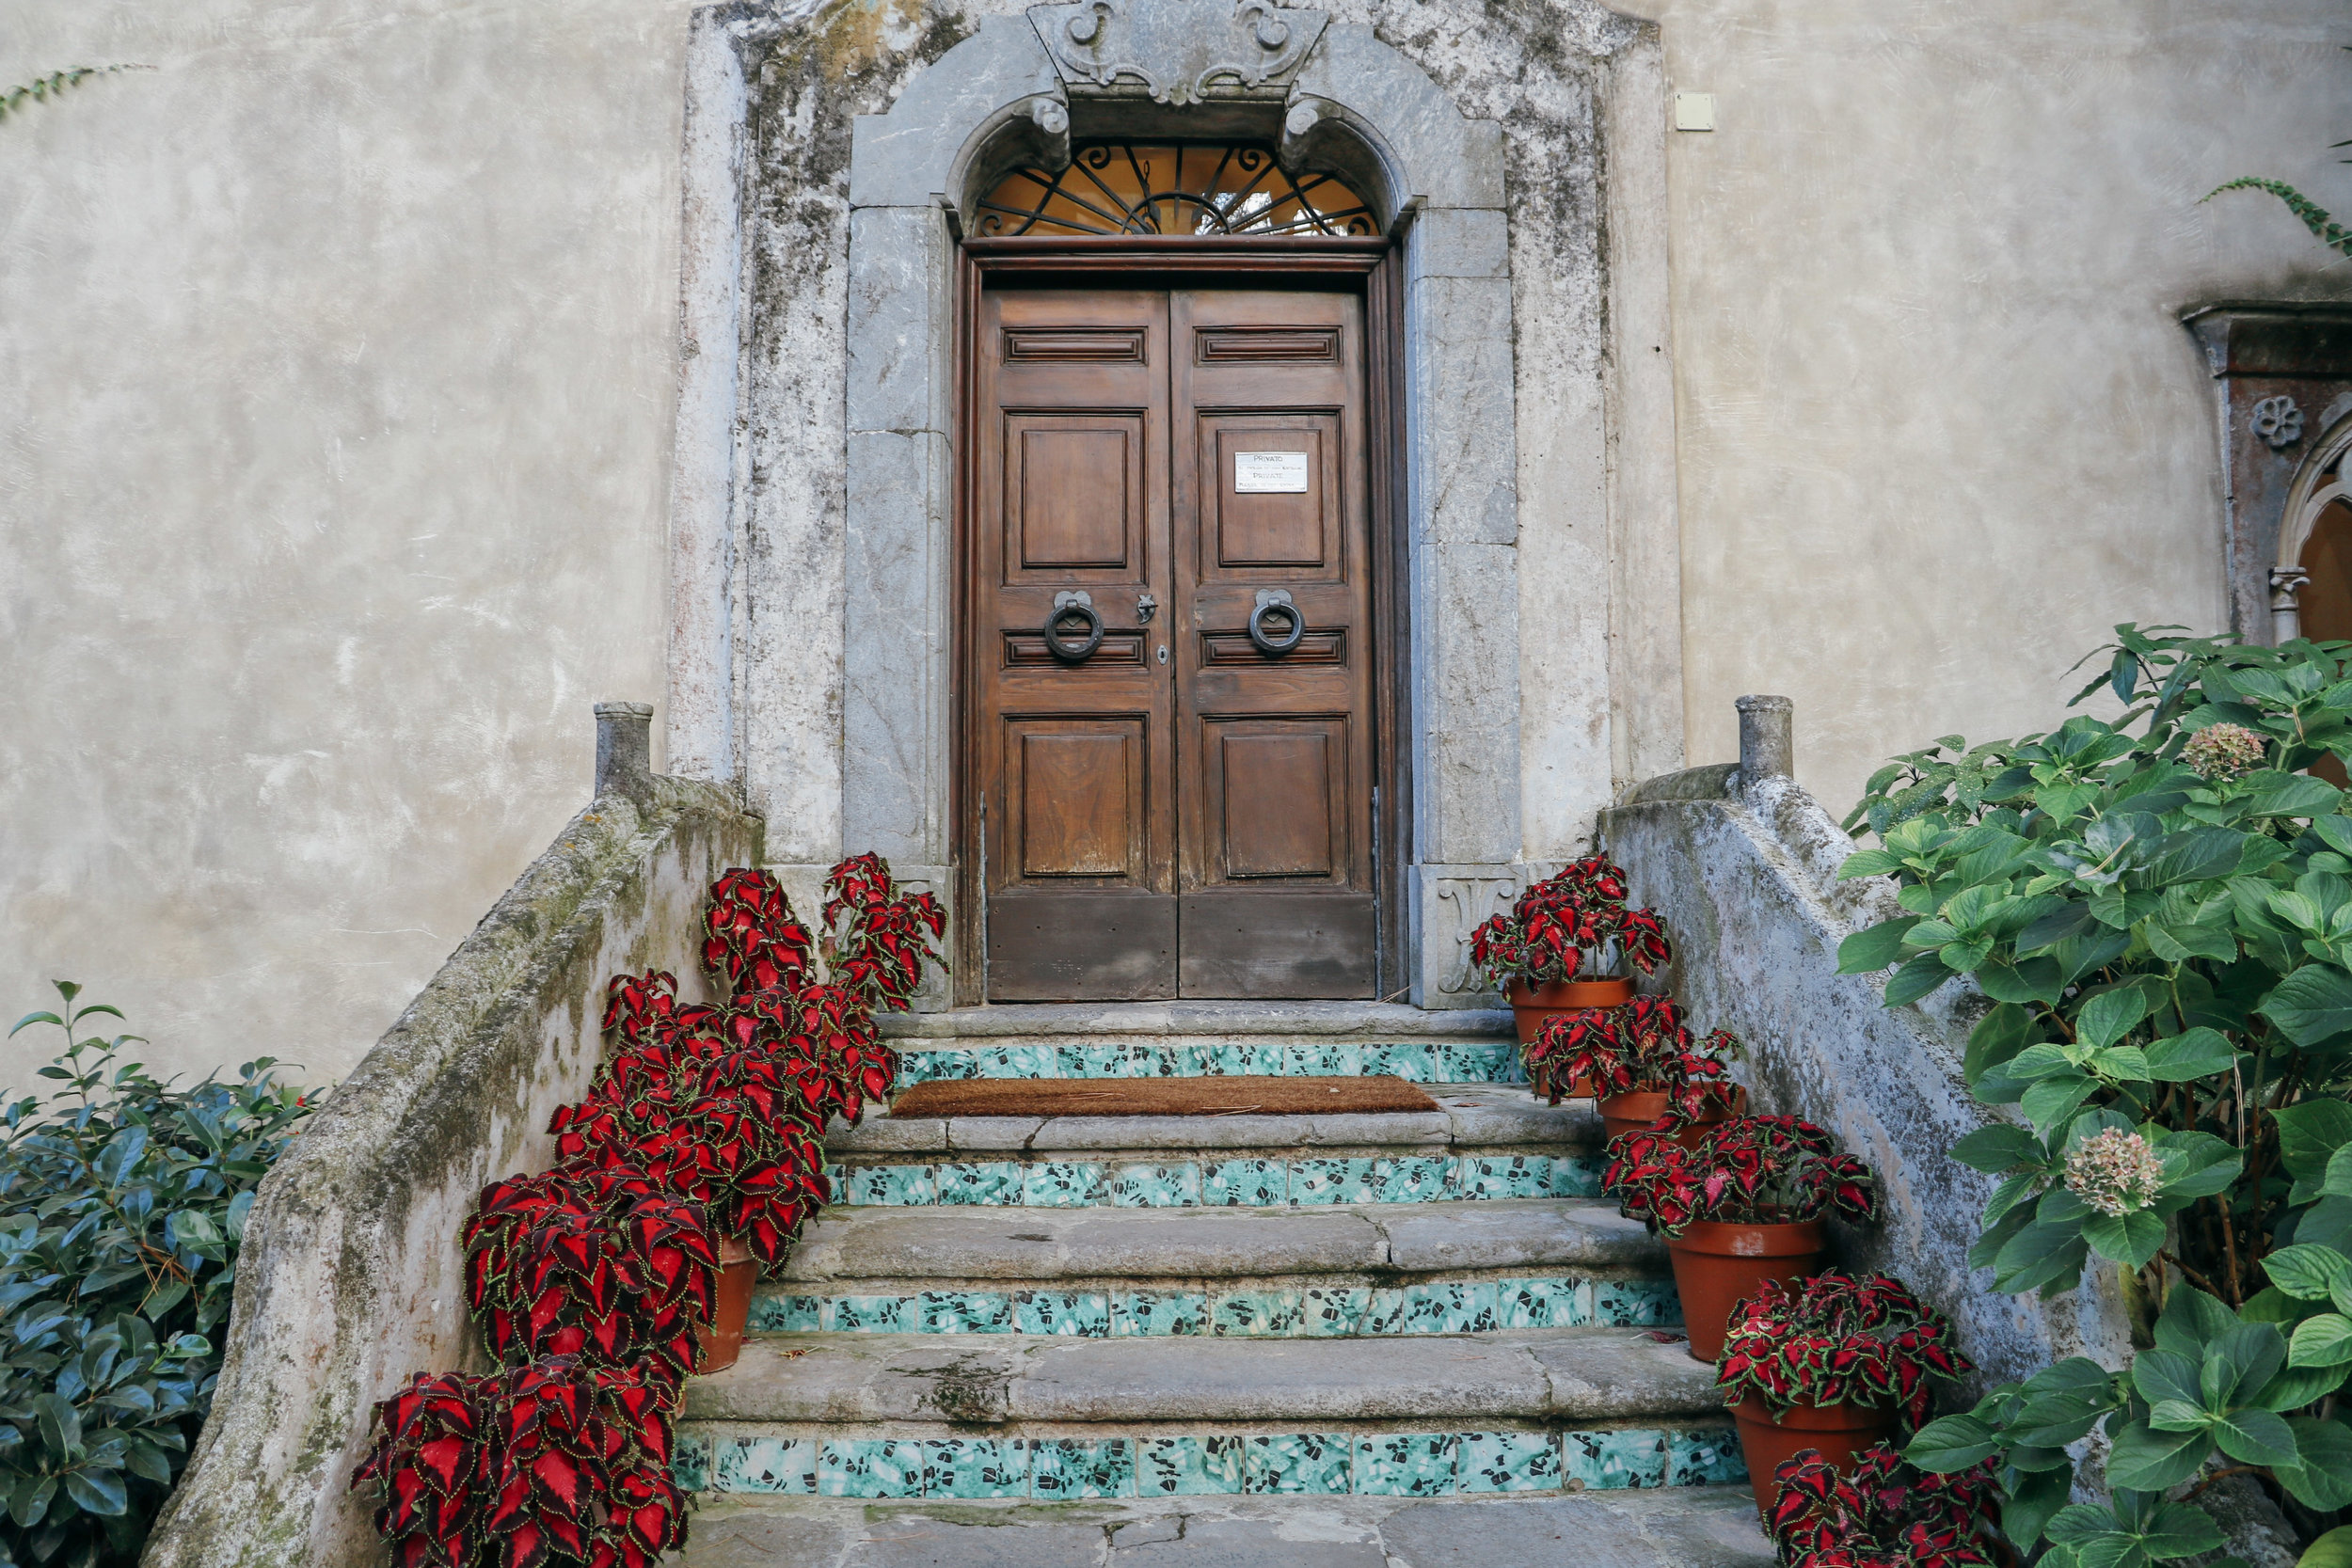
(1163, 652)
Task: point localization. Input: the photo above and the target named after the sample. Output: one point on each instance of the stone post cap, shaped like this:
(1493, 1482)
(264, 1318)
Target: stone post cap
(1768, 748)
(625, 750)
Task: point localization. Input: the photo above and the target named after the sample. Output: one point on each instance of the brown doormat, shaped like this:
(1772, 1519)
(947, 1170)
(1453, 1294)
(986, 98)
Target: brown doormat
(1237, 1095)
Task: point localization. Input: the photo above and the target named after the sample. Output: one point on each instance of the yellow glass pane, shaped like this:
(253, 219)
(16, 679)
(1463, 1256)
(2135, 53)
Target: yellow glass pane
(1171, 189)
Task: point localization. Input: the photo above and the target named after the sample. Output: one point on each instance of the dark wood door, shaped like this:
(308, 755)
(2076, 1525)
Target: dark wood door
(1187, 810)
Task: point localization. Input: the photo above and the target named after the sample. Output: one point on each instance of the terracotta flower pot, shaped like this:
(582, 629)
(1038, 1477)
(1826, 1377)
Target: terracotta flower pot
(1839, 1430)
(1717, 1263)
(723, 1336)
(1635, 1110)
(1533, 1006)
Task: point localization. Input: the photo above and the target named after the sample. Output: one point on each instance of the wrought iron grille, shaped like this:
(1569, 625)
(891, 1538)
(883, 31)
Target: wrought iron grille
(1172, 188)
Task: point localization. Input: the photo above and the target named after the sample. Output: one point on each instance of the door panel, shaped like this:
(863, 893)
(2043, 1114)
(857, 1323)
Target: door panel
(1278, 787)
(1274, 777)
(1080, 785)
(1079, 480)
(1074, 762)
(1182, 812)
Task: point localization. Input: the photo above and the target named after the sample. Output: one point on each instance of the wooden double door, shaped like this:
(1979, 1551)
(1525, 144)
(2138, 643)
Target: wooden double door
(1185, 808)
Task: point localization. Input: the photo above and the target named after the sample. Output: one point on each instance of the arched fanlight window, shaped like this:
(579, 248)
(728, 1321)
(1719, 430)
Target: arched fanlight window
(1172, 188)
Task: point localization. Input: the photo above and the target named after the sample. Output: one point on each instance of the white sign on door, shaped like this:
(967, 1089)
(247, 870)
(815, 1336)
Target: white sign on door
(1256, 473)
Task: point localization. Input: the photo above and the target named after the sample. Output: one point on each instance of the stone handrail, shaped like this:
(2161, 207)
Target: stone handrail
(1742, 864)
(350, 1277)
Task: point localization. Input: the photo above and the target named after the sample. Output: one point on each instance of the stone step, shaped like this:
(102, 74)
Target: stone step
(1468, 1119)
(1672, 1527)
(1148, 1040)
(1374, 1242)
(1455, 1383)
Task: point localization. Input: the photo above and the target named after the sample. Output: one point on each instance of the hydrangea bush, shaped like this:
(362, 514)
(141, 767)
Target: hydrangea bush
(2159, 906)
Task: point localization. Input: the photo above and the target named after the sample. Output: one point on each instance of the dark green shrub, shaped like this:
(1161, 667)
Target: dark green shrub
(123, 1200)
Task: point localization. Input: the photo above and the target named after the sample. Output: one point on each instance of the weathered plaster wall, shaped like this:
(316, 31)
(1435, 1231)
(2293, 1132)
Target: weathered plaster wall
(335, 418)
(1939, 424)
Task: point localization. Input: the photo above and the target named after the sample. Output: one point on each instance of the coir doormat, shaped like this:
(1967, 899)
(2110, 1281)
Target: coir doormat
(1237, 1095)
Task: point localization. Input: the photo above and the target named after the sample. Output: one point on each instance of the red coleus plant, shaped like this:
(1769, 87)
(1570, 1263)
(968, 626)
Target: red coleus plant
(754, 939)
(1749, 1170)
(1838, 1339)
(581, 1259)
(1643, 1046)
(731, 1130)
(559, 1459)
(1884, 1514)
(1566, 924)
(878, 937)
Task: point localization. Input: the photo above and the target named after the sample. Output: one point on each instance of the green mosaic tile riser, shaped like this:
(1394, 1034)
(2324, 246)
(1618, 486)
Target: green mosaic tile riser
(1308, 1312)
(1424, 1465)
(1452, 1062)
(1241, 1183)
(1304, 1312)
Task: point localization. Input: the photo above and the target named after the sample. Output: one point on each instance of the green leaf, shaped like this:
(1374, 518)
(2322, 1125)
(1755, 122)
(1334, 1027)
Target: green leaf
(2037, 1256)
(2336, 1180)
(99, 1492)
(2308, 1273)
(2256, 1438)
(2032, 1500)
(59, 1424)
(2276, 794)
(2331, 1550)
(2197, 1165)
(2061, 924)
(1916, 978)
(2321, 1342)
(2052, 1100)
(2179, 1530)
(1869, 951)
(2297, 1387)
(1998, 1147)
(1870, 863)
(2310, 1004)
(2132, 1239)
(2030, 980)
(2199, 1054)
(2145, 1459)
(1953, 1443)
(2199, 855)
(2107, 1017)
(2321, 1475)
(2310, 1134)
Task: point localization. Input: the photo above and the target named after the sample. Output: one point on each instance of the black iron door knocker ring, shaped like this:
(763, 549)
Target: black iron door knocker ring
(1276, 599)
(1066, 605)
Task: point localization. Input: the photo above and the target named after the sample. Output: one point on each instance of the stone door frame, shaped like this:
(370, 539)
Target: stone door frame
(1342, 99)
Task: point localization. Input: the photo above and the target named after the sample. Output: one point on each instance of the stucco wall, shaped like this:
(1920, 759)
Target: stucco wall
(336, 374)
(1939, 425)
(336, 398)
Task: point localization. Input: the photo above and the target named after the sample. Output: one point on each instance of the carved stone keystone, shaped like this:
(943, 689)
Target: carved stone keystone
(1177, 50)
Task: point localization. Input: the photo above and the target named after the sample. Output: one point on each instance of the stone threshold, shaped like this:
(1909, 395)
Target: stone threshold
(1695, 1527)
(1357, 1019)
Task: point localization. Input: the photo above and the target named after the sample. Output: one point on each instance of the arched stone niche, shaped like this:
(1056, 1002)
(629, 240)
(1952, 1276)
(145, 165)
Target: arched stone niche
(1500, 781)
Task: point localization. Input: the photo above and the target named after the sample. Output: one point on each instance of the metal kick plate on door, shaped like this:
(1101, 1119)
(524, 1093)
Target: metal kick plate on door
(1258, 473)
